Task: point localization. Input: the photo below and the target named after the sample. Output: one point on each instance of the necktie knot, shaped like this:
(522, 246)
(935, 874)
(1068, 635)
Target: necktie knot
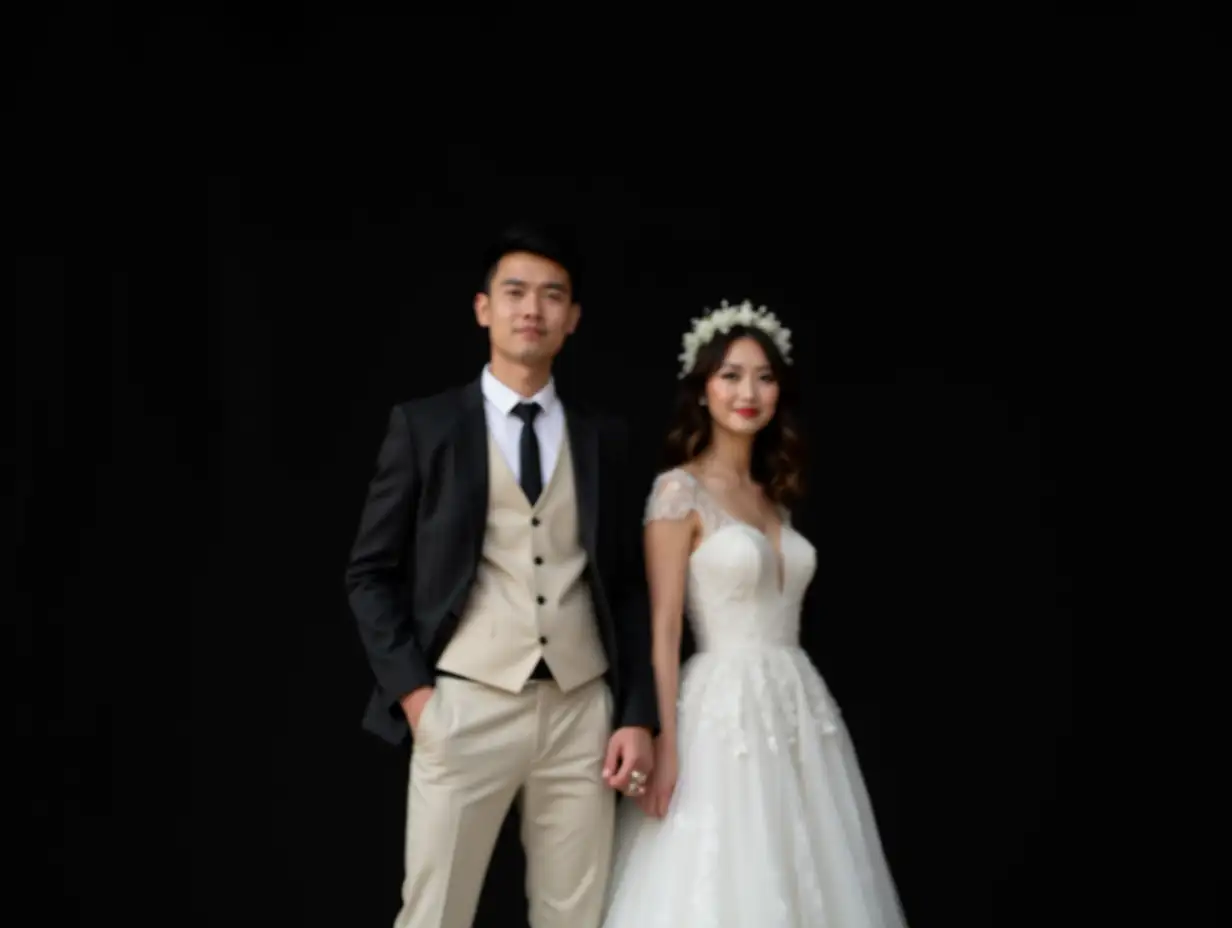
(527, 412)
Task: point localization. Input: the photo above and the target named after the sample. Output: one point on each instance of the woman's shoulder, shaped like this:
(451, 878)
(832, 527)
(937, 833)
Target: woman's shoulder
(678, 474)
(673, 494)
(677, 482)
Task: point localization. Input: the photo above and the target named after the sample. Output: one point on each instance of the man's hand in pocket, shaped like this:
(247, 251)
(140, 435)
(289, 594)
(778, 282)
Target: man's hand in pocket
(413, 705)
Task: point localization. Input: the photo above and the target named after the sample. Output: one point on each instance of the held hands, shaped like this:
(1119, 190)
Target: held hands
(630, 760)
(413, 705)
(658, 795)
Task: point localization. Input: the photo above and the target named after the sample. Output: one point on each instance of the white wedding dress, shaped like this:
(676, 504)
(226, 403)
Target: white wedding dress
(770, 825)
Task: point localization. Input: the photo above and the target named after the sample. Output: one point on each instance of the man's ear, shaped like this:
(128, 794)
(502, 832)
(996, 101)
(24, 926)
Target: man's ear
(575, 316)
(483, 310)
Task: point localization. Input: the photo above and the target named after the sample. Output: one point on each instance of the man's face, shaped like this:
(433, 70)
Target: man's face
(529, 309)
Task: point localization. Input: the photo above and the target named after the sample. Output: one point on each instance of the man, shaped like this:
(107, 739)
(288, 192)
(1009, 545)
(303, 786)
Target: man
(496, 579)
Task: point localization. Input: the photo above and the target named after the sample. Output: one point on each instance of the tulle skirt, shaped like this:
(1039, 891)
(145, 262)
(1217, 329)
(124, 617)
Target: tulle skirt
(770, 825)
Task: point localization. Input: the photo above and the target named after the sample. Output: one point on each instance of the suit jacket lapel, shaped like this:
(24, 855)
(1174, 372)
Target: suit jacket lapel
(471, 462)
(584, 446)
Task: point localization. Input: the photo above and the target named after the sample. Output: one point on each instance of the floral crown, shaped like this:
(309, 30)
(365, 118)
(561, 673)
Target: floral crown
(724, 319)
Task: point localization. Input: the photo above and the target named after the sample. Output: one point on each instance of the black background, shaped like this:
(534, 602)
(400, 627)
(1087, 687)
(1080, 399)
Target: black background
(195, 435)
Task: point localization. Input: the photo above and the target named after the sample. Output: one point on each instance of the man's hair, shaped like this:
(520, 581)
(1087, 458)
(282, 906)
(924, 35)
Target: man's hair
(544, 241)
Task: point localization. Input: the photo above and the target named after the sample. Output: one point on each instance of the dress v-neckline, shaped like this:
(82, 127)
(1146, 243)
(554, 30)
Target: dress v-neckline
(776, 545)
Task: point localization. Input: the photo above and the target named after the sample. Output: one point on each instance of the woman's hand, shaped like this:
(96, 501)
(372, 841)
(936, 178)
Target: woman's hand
(658, 795)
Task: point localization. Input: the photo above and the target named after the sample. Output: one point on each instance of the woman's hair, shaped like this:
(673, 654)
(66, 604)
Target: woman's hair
(778, 449)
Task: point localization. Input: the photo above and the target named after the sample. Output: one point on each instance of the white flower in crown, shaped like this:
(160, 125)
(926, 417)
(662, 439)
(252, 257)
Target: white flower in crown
(724, 319)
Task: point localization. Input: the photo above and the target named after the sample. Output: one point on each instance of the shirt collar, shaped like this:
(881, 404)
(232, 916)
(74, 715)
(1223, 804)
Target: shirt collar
(504, 398)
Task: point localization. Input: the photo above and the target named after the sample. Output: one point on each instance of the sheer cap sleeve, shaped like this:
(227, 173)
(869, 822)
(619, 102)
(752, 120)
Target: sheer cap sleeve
(672, 497)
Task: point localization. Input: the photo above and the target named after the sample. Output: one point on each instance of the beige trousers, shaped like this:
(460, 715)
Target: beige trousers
(477, 748)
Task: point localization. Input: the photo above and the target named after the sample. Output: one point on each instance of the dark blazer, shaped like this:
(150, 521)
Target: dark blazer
(421, 535)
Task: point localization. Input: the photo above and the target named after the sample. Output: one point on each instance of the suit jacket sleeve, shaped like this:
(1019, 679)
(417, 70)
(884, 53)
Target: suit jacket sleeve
(379, 570)
(632, 607)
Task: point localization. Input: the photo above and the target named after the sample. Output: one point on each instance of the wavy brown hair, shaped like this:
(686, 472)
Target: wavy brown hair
(778, 449)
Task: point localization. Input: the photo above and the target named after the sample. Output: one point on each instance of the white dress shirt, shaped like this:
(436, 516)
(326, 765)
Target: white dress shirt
(506, 428)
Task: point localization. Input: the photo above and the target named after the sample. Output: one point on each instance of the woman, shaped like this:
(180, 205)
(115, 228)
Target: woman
(756, 812)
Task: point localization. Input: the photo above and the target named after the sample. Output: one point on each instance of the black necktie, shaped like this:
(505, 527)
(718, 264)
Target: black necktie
(532, 470)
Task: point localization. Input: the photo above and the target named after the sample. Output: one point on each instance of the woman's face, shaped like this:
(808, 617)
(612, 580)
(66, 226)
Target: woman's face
(743, 393)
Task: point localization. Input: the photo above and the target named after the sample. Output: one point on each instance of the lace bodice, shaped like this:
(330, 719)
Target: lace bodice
(733, 595)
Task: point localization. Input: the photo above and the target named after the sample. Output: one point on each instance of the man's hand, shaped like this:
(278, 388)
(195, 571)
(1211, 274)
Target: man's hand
(413, 705)
(630, 760)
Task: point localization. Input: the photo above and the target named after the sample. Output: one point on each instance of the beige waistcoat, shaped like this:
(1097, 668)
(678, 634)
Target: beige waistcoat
(530, 599)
